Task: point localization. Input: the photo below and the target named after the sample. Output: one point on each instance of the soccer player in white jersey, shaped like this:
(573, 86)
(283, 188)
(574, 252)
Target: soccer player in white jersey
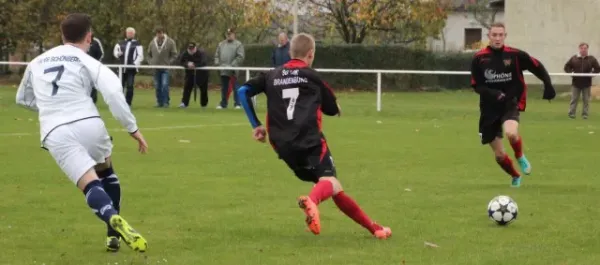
(57, 84)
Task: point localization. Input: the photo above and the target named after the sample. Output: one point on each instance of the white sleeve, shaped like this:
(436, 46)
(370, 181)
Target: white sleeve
(25, 95)
(116, 51)
(109, 85)
(140, 55)
(101, 48)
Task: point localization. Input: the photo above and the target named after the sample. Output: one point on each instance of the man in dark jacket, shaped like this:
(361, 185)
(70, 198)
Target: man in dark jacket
(281, 54)
(581, 63)
(191, 59)
(97, 52)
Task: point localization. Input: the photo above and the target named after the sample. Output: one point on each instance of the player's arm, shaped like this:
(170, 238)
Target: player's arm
(569, 66)
(101, 49)
(109, 85)
(537, 68)
(117, 51)
(478, 82)
(250, 89)
(329, 104)
(25, 96)
(140, 55)
(595, 65)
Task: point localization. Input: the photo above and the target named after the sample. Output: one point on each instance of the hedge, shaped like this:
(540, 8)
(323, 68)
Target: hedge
(392, 57)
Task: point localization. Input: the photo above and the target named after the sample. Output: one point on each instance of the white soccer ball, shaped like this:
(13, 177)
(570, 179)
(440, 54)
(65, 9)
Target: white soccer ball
(503, 210)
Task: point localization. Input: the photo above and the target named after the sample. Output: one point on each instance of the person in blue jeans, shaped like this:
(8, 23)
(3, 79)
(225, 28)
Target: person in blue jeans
(230, 53)
(162, 51)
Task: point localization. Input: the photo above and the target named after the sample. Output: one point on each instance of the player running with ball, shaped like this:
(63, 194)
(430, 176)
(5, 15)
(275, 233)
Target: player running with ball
(497, 76)
(296, 100)
(57, 84)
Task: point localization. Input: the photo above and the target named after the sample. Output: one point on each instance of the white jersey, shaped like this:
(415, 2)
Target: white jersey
(58, 84)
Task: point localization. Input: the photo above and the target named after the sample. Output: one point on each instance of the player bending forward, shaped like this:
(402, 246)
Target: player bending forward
(497, 76)
(57, 84)
(296, 100)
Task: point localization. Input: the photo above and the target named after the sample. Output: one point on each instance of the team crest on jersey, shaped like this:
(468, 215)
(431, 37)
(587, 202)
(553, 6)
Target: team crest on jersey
(484, 60)
(507, 62)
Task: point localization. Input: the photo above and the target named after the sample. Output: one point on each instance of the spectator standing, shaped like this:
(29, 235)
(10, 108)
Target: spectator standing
(281, 54)
(191, 59)
(96, 51)
(129, 52)
(581, 85)
(230, 53)
(162, 51)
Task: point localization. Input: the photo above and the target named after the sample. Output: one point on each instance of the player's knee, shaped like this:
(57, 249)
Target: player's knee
(337, 186)
(512, 135)
(105, 169)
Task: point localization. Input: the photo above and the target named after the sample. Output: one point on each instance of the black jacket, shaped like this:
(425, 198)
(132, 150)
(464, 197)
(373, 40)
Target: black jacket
(198, 58)
(96, 50)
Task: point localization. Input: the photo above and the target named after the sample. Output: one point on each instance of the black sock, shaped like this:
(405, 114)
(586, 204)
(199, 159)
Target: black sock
(99, 201)
(111, 185)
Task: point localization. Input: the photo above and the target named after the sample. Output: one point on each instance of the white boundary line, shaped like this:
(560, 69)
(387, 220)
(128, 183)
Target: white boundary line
(164, 128)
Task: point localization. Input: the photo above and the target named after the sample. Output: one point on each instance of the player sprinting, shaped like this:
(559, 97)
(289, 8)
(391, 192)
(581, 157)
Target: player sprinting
(296, 100)
(57, 84)
(497, 76)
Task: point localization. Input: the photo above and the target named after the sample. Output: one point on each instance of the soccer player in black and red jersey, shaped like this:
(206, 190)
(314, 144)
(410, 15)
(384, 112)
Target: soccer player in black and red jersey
(296, 100)
(497, 76)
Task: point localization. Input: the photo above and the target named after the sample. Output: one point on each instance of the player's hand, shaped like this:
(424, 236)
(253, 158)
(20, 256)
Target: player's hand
(260, 134)
(549, 92)
(142, 145)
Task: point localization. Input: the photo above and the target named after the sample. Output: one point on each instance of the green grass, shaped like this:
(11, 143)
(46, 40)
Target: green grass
(223, 199)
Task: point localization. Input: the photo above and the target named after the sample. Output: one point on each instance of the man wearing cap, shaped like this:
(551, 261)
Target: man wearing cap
(191, 59)
(230, 53)
(162, 51)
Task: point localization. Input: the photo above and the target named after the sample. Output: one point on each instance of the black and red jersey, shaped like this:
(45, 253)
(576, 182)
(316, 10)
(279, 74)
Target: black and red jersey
(296, 100)
(496, 71)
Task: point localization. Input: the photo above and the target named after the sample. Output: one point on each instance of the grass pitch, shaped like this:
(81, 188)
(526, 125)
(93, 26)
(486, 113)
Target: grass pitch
(208, 194)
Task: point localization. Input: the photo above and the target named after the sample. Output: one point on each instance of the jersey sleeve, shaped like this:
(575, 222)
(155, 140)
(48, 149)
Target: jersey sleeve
(109, 85)
(250, 89)
(478, 81)
(329, 104)
(534, 66)
(25, 95)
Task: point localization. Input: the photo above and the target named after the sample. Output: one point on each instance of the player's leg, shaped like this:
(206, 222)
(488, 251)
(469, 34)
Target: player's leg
(165, 88)
(511, 129)
(327, 185)
(187, 90)
(586, 94)
(94, 138)
(490, 133)
(574, 101)
(128, 76)
(202, 83)
(224, 92)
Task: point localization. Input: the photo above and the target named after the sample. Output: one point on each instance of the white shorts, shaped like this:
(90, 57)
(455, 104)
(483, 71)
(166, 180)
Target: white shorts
(79, 146)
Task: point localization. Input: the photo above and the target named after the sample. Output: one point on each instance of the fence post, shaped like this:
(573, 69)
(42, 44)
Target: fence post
(378, 91)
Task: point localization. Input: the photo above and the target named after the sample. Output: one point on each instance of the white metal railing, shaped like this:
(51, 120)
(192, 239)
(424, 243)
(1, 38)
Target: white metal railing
(377, 72)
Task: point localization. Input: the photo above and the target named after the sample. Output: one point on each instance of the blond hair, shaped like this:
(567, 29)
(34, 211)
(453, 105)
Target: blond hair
(301, 45)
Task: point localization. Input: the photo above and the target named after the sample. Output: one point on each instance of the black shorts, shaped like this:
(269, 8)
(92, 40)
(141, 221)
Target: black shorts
(490, 126)
(309, 164)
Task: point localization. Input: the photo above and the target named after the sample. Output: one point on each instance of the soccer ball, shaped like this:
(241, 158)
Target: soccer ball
(503, 210)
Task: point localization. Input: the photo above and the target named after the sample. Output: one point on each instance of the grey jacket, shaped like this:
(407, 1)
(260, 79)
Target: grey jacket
(229, 53)
(166, 54)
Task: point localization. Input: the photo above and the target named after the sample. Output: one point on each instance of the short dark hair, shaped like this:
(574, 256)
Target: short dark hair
(75, 27)
(584, 44)
(159, 30)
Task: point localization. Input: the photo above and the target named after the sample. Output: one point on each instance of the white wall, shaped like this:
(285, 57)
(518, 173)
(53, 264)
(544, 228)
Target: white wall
(552, 29)
(454, 31)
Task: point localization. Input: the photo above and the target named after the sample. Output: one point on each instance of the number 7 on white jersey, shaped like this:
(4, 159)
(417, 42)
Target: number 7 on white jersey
(292, 94)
